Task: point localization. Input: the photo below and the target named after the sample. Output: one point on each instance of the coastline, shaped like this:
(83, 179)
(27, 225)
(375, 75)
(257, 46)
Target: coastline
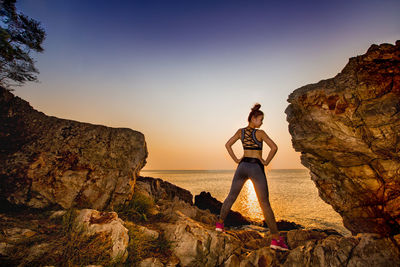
(310, 211)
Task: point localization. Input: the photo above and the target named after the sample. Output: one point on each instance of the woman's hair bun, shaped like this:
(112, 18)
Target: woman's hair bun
(256, 107)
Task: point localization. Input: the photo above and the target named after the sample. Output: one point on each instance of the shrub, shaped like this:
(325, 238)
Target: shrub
(136, 209)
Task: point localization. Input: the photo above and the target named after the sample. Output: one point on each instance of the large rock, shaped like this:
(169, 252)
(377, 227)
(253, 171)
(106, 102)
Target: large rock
(198, 245)
(347, 129)
(46, 161)
(334, 250)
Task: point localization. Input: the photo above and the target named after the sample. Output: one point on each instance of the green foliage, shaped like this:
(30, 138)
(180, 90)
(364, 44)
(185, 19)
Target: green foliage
(19, 35)
(137, 209)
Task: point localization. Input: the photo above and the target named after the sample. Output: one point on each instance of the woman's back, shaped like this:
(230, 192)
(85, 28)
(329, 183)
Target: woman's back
(252, 147)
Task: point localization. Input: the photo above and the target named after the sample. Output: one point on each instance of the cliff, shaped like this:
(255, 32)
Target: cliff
(347, 129)
(51, 162)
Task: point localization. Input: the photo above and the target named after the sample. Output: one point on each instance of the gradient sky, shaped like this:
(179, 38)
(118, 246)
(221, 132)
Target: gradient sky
(186, 73)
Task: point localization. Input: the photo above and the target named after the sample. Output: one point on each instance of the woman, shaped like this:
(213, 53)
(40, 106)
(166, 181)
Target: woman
(251, 165)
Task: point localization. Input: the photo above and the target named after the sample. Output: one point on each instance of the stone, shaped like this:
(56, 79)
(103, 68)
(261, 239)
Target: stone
(232, 261)
(49, 162)
(168, 209)
(347, 129)
(16, 234)
(151, 262)
(297, 238)
(205, 201)
(196, 244)
(261, 257)
(160, 189)
(152, 234)
(95, 222)
(57, 214)
(375, 251)
(333, 250)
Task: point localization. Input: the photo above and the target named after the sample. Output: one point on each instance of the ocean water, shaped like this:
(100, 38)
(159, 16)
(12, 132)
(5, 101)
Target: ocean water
(292, 194)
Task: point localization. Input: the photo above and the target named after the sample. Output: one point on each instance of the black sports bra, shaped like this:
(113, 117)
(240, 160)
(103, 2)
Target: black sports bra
(249, 139)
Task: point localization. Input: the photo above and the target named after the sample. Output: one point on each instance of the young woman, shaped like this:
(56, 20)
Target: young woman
(251, 165)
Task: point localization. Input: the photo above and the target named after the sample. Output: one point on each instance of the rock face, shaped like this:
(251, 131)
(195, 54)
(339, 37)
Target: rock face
(347, 129)
(333, 250)
(46, 161)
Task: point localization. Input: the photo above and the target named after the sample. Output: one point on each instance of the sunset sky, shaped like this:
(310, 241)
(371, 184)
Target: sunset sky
(186, 73)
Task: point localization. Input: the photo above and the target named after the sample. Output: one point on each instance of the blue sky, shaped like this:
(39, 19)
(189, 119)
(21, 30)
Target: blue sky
(186, 73)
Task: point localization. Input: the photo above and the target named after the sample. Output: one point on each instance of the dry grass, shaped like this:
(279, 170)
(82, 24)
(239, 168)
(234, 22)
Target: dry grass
(141, 246)
(137, 209)
(65, 244)
(69, 245)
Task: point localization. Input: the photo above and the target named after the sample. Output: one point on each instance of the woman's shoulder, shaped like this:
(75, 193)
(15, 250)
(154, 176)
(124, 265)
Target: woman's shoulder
(260, 133)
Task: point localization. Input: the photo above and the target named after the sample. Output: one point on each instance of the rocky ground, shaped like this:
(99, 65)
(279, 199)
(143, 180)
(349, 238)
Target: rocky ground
(175, 232)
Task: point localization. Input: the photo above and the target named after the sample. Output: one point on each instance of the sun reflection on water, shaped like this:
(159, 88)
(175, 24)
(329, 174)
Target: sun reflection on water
(247, 202)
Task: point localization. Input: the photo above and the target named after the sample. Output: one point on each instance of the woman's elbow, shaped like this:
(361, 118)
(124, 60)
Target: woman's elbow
(274, 148)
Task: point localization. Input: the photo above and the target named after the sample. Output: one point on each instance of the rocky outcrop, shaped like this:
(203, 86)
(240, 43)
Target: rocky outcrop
(347, 129)
(196, 243)
(50, 162)
(333, 250)
(205, 201)
(157, 188)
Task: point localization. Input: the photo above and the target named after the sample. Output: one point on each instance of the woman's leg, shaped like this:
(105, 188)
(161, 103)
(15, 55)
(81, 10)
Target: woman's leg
(238, 181)
(261, 187)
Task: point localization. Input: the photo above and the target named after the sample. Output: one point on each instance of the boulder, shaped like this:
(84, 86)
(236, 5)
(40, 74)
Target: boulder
(334, 250)
(347, 129)
(196, 244)
(95, 222)
(48, 162)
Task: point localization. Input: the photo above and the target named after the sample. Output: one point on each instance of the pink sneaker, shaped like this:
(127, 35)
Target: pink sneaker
(219, 227)
(279, 244)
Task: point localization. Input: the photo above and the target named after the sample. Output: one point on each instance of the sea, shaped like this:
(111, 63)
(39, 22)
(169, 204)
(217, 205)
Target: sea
(292, 194)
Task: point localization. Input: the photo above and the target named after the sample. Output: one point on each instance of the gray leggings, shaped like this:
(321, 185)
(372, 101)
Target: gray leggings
(251, 168)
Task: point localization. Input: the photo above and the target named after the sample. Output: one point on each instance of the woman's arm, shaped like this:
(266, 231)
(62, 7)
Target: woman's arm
(271, 144)
(229, 144)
